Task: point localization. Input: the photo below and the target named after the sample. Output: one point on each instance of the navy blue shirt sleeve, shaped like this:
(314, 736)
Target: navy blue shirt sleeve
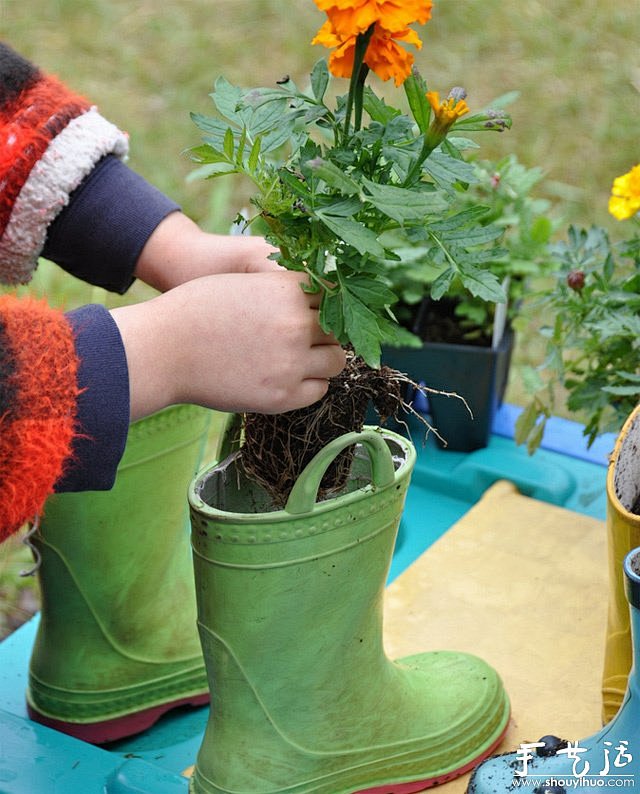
(103, 404)
(99, 235)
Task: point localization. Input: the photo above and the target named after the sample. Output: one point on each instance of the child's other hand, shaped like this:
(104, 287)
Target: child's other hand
(234, 342)
(179, 251)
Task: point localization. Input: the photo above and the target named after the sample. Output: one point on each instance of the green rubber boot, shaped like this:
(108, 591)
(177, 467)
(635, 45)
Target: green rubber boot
(117, 644)
(304, 699)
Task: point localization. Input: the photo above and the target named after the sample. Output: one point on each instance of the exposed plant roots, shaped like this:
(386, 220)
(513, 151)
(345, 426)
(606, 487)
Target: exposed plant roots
(276, 448)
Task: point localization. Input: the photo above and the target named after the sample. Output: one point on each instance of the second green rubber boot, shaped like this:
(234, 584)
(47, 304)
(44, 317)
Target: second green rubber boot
(304, 699)
(117, 644)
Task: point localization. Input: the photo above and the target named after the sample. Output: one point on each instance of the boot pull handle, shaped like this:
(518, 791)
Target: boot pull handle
(305, 491)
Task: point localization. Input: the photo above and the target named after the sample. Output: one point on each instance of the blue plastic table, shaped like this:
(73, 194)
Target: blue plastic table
(37, 760)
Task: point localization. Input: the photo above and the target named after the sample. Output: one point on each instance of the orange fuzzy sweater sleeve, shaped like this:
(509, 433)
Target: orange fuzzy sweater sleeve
(38, 397)
(50, 140)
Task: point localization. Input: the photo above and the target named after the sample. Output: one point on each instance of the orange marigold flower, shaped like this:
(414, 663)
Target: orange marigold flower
(451, 108)
(328, 37)
(625, 195)
(445, 113)
(351, 17)
(387, 58)
(384, 55)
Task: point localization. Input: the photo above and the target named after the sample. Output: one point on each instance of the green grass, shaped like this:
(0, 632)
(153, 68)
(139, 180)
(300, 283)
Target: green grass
(19, 595)
(147, 65)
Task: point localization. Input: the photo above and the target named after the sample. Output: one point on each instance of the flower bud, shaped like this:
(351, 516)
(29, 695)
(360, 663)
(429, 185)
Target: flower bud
(445, 113)
(575, 280)
(497, 120)
(457, 93)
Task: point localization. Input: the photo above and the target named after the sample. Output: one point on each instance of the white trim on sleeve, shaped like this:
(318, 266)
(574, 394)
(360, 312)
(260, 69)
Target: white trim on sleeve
(69, 158)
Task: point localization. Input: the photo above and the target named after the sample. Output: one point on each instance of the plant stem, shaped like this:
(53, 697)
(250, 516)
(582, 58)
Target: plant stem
(444, 250)
(356, 84)
(359, 97)
(427, 148)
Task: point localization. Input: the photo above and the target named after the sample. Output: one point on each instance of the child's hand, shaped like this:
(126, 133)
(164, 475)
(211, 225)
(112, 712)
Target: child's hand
(236, 342)
(180, 251)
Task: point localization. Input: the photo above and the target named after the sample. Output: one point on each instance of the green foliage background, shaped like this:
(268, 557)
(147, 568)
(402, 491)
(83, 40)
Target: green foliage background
(147, 64)
(575, 63)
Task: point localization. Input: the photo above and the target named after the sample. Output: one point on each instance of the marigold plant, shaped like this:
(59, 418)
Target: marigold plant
(341, 187)
(593, 346)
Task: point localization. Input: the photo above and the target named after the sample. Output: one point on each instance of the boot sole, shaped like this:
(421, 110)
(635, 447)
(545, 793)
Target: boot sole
(111, 730)
(421, 785)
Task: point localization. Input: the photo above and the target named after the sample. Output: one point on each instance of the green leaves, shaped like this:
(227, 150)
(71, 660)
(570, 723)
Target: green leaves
(334, 177)
(447, 171)
(460, 249)
(355, 234)
(530, 426)
(416, 89)
(263, 119)
(227, 99)
(359, 313)
(361, 327)
(403, 205)
(377, 108)
(342, 206)
(320, 79)
(219, 162)
(593, 349)
(481, 283)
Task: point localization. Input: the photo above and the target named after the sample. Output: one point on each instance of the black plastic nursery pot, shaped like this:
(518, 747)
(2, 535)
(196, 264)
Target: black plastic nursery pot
(478, 374)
